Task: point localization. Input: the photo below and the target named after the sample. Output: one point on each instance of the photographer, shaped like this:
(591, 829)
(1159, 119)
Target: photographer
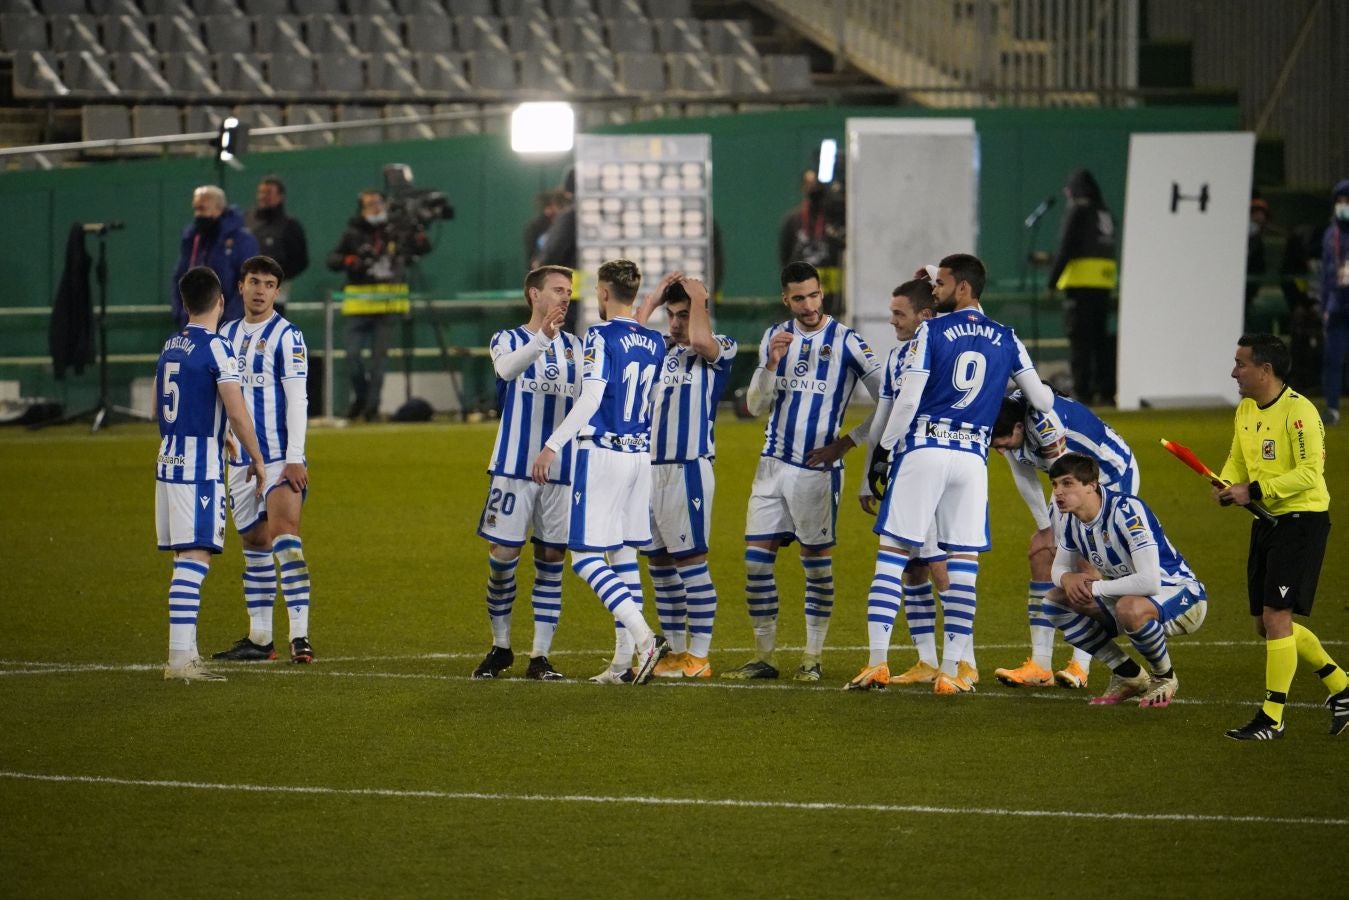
(374, 252)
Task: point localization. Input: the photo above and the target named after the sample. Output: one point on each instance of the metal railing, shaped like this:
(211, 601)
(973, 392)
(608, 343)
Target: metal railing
(974, 53)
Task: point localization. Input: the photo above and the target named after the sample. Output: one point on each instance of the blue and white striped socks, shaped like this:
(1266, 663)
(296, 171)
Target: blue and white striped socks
(884, 602)
(500, 598)
(184, 604)
(920, 611)
(1085, 633)
(819, 601)
(671, 606)
(761, 595)
(259, 594)
(701, 598)
(1041, 629)
(294, 582)
(1150, 642)
(614, 594)
(546, 599)
(958, 605)
(624, 563)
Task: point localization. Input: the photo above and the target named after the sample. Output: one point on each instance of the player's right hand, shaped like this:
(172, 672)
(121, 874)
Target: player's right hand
(257, 471)
(868, 504)
(542, 463)
(552, 323)
(777, 348)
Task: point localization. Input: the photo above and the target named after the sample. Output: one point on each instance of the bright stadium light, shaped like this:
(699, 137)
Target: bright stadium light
(543, 128)
(828, 156)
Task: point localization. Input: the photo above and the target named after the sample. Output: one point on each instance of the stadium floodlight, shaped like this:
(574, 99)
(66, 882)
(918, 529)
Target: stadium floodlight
(543, 128)
(824, 172)
(233, 136)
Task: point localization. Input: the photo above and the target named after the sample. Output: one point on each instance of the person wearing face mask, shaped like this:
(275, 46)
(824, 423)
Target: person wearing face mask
(375, 259)
(279, 235)
(217, 239)
(1335, 301)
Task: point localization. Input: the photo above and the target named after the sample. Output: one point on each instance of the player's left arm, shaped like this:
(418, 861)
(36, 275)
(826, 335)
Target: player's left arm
(593, 381)
(701, 338)
(1131, 518)
(294, 366)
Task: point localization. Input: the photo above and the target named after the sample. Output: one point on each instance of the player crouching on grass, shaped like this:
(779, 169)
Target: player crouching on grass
(1146, 589)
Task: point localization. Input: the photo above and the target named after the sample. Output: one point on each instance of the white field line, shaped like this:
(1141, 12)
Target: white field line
(319, 671)
(703, 802)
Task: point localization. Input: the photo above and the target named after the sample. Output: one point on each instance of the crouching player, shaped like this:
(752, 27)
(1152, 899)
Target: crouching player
(1146, 589)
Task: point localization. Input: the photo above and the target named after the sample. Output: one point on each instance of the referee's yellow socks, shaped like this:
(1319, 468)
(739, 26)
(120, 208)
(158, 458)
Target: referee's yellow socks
(1280, 666)
(1310, 651)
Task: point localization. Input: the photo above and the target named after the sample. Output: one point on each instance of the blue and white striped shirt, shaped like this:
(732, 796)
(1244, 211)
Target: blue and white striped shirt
(1124, 526)
(625, 356)
(534, 403)
(811, 387)
(269, 353)
(685, 410)
(1084, 433)
(191, 416)
(969, 359)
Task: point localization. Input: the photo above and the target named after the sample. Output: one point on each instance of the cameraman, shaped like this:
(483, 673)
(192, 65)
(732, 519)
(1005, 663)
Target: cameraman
(374, 253)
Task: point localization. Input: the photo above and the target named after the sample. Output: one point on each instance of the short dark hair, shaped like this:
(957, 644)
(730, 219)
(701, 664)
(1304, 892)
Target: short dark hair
(265, 265)
(675, 293)
(200, 288)
(275, 181)
(919, 292)
(969, 269)
(536, 277)
(623, 278)
(798, 271)
(1078, 465)
(1012, 411)
(1266, 348)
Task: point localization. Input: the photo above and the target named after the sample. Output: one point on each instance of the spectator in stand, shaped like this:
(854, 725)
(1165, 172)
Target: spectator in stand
(279, 236)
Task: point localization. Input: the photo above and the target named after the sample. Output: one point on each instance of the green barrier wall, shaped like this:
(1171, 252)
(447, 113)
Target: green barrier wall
(757, 160)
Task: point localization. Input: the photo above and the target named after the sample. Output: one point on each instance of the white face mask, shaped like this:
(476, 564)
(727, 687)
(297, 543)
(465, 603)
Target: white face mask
(1342, 211)
(377, 218)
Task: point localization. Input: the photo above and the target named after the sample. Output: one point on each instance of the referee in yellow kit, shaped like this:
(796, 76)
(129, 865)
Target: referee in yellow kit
(1278, 458)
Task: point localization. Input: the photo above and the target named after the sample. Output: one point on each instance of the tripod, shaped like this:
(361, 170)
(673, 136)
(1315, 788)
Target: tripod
(99, 414)
(1028, 279)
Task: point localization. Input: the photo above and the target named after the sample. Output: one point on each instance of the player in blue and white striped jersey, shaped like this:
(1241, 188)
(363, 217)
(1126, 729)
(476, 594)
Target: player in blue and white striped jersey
(1020, 433)
(538, 369)
(939, 428)
(1145, 589)
(197, 392)
(808, 368)
(274, 367)
(692, 379)
(611, 484)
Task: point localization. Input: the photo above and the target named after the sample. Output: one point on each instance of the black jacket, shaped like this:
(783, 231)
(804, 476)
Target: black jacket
(71, 334)
(1088, 227)
(370, 254)
(280, 237)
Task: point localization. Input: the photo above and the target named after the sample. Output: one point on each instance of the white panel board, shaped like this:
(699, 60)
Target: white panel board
(1184, 267)
(912, 199)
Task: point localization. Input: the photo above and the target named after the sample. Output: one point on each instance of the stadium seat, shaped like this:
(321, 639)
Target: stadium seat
(728, 36)
(329, 34)
(362, 8)
(419, 7)
(190, 75)
(176, 34)
(293, 75)
(38, 74)
(569, 9)
(282, 34)
(269, 8)
(71, 34)
(469, 7)
(103, 122)
(640, 73)
(305, 114)
(544, 72)
(410, 132)
(680, 36)
(264, 116)
(317, 7)
(168, 8)
(85, 75)
(466, 120)
(594, 73)
(391, 74)
(242, 73)
(615, 9)
(428, 34)
(690, 73)
(152, 120)
(631, 35)
(126, 34)
(788, 72)
(21, 31)
(473, 33)
(138, 75)
(215, 7)
(441, 73)
(377, 34)
(22, 8)
(340, 73)
(374, 134)
(670, 9)
(491, 72)
(739, 75)
(115, 8)
(198, 118)
(528, 33)
(228, 34)
(64, 7)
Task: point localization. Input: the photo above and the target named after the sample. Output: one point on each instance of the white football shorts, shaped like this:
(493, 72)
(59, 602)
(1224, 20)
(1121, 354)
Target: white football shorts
(681, 508)
(1181, 609)
(190, 516)
(610, 499)
(933, 487)
(516, 507)
(247, 508)
(789, 503)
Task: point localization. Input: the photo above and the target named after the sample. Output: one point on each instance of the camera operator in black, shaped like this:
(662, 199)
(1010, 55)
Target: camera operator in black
(373, 251)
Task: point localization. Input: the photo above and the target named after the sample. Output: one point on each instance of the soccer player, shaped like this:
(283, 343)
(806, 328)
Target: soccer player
(692, 379)
(197, 388)
(1019, 434)
(808, 368)
(273, 369)
(911, 304)
(938, 428)
(538, 369)
(1278, 458)
(1145, 589)
(611, 481)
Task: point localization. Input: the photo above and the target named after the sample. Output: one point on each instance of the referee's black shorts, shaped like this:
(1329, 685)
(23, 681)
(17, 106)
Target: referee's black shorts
(1285, 561)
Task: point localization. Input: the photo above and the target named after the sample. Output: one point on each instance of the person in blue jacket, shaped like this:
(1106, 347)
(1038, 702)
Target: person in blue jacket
(217, 239)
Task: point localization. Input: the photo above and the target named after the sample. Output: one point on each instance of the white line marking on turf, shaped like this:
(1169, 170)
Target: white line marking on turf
(793, 805)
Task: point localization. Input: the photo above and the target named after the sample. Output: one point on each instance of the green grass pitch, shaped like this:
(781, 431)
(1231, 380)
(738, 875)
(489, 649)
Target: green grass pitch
(383, 770)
